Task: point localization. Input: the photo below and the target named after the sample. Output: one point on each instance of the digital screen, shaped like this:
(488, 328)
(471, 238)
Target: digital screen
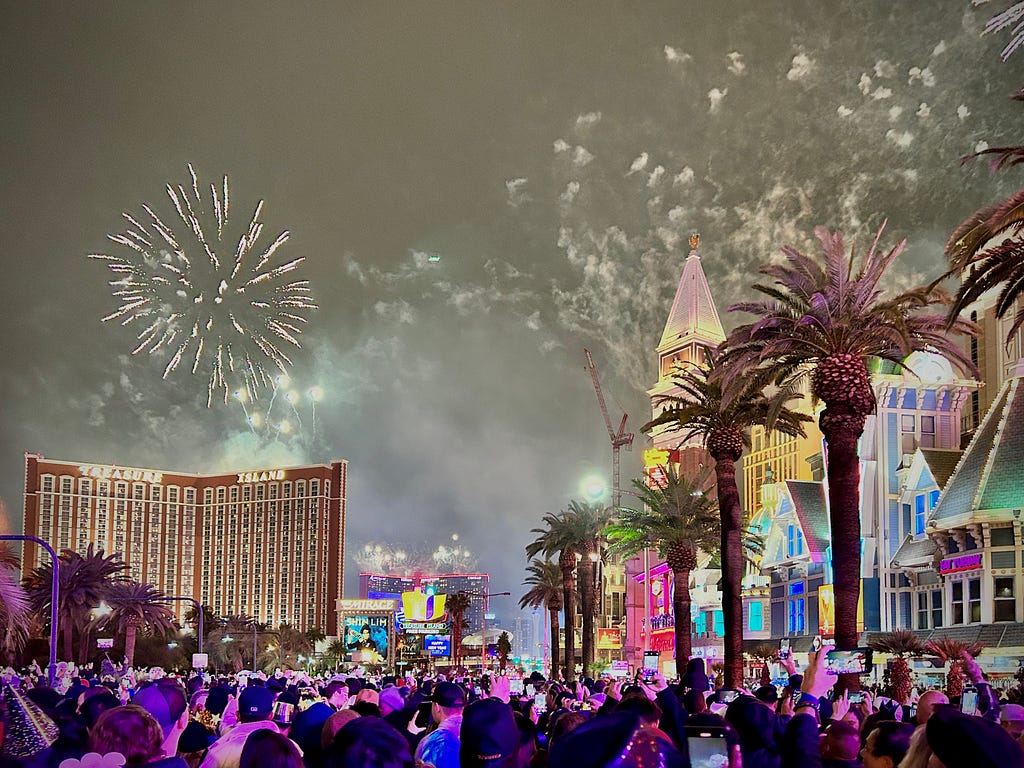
(651, 661)
(855, 662)
(366, 638)
(438, 645)
(708, 752)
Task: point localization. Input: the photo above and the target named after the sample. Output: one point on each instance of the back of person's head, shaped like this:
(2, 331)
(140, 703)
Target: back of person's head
(920, 752)
(130, 730)
(369, 742)
(957, 740)
(165, 700)
(927, 703)
(890, 739)
(565, 723)
(841, 742)
(647, 710)
(96, 705)
(335, 723)
(366, 709)
(871, 722)
(266, 748)
(694, 701)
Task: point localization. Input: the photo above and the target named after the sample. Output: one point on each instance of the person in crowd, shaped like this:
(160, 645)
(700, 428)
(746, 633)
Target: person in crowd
(488, 735)
(1011, 717)
(255, 708)
(369, 742)
(840, 745)
(887, 744)
(165, 700)
(136, 734)
(269, 749)
(335, 693)
(958, 740)
(927, 703)
(440, 748)
(919, 753)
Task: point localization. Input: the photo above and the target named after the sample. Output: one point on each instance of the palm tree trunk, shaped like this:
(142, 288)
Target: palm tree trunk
(83, 644)
(66, 631)
(842, 432)
(456, 639)
(569, 606)
(130, 632)
(681, 617)
(588, 604)
(555, 644)
(731, 512)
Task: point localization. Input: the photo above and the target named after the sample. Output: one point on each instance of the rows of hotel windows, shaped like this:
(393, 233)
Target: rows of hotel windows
(155, 531)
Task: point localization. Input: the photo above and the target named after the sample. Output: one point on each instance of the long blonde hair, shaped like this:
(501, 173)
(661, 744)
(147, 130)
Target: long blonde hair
(919, 752)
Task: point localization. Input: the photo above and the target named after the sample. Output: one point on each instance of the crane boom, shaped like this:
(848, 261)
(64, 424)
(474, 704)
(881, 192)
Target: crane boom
(619, 439)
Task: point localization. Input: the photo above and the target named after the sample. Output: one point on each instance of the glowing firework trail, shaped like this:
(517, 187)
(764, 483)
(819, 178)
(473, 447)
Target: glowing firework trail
(264, 422)
(223, 306)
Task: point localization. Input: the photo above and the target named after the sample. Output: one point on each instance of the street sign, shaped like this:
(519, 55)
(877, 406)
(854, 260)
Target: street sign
(104, 643)
(200, 660)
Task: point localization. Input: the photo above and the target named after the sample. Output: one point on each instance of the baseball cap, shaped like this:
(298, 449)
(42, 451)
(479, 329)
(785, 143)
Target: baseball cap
(255, 703)
(165, 701)
(448, 695)
(488, 733)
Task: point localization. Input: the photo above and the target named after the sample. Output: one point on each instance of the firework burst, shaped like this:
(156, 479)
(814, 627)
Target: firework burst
(215, 303)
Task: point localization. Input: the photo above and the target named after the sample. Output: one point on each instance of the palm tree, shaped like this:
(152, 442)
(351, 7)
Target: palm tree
(210, 619)
(952, 651)
(900, 643)
(678, 520)
(336, 652)
(457, 606)
(225, 642)
(574, 532)
(135, 606)
(15, 613)
(8, 559)
(84, 581)
(703, 411)
(504, 650)
(825, 319)
(315, 635)
(544, 578)
(975, 246)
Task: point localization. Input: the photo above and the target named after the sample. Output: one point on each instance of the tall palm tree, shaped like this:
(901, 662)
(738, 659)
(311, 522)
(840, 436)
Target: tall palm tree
(703, 411)
(15, 613)
(900, 643)
(84, 581)
(544, 578)
(335, 653)
(827, 316)
(457, 605)
(136, 606)
(315, 635)
(678, 520)
(573, 532)
(989, 246)
(227, 641)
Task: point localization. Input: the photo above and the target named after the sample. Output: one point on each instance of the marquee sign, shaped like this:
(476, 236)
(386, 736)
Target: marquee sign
(121, 473)
(362, 605)
(261, 477)
(962, 563)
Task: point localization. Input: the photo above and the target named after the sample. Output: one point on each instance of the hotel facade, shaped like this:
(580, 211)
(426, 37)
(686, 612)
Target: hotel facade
(268, 543)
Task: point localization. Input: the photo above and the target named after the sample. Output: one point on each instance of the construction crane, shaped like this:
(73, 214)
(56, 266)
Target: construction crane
(620, 439)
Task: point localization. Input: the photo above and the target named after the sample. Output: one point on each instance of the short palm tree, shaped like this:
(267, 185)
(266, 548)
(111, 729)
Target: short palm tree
(826, 317)
(702, 410)
(504, 650)
(574, 533)
(84, 580)
(15, 613)
(987, 249)
(952, 652)
(457, 605)
(678, 520)
(315, 635)
(901, 643)
(335, 653)
(544, 578)
(226, 640)
(136, 606)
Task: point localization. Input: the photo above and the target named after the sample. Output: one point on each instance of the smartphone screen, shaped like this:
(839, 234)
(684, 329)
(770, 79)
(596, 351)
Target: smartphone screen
(707, 751)
(727, 695)
(784, 649)
(856, 697)
(650, 664)
(515, 686)
(969, 701)
(540, 702)
(855, 662)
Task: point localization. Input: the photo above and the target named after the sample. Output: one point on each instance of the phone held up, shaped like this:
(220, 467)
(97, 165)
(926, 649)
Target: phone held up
(707, 746)
(853, 662)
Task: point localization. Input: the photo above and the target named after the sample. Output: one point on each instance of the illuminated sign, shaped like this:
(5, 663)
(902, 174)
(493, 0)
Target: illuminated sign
(121, 473)
(261, 477)
(609, 639)
(962, 563)
(360, 606)
(425, 627)
(419, 605)
(655, 463)
(438, 645)
(827, 610)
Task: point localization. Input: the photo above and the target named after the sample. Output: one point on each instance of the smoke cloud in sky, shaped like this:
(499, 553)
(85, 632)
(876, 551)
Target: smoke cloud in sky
(479, 193)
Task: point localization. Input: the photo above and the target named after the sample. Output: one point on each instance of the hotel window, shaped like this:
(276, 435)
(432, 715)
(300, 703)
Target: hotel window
(919, 514)
(936, 608)
(923, 612)
(974, 600)
(927, 431)
(958, 603)
(755, 622)
(908, 429)
(796, 616)
(1005, 599)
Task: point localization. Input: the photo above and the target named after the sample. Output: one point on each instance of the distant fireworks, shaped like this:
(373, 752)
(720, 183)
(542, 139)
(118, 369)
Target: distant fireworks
(204, 298)
(392, 558)
(285, 418)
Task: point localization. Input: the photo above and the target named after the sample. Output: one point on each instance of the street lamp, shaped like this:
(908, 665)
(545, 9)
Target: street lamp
(54, 592)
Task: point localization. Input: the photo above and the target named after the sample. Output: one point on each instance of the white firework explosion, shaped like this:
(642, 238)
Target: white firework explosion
(219, 304)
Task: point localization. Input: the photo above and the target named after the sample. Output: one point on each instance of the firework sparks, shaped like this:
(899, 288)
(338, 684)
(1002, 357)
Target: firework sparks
(204, 299)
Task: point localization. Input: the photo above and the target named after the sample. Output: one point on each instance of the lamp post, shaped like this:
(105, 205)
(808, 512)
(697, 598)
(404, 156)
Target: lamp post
(54, 594)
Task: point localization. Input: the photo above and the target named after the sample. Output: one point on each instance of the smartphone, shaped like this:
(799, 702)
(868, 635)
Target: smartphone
(651, 659)
(283, 712)
(540, 702)
(784, 648)
(727, 695)
(423, 715)
(855, 697)
(515, 686)
(853, 662)
(969, 701)
(707, 746)
(816, 643)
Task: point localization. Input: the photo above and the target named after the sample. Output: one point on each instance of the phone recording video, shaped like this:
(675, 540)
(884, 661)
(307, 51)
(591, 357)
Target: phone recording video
(969, 701)
(855, 697)
(650, 667)
(540, 702)
(727, 695)
(784, 649)
(707, 746)
(515, 686)
(853, 662)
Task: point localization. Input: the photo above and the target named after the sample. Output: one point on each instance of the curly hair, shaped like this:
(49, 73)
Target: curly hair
(130, 730)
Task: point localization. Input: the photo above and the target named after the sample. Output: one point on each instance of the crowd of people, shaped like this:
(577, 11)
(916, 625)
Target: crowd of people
(292, 720)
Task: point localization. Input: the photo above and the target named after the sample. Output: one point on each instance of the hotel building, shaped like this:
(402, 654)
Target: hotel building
(475, 585)
(268, 544)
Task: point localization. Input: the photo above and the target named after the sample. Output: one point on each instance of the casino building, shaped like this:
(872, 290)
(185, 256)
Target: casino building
(383, 586)
(268, 544)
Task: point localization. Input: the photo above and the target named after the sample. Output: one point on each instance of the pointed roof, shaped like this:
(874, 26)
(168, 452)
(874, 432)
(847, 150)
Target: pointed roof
(810, 502)
(941, 462)
(915, 553)
(987, 479)
(693, 316)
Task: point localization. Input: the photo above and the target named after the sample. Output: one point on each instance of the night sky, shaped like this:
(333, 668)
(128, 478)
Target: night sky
(554, 156)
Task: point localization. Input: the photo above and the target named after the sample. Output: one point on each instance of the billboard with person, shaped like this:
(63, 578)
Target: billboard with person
(367, 628)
